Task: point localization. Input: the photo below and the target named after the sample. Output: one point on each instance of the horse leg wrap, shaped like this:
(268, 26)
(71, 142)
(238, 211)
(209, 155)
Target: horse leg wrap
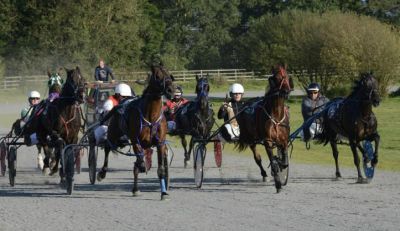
(162, 185)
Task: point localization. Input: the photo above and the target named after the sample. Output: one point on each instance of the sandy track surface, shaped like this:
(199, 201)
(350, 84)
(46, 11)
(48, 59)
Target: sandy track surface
(234, 199)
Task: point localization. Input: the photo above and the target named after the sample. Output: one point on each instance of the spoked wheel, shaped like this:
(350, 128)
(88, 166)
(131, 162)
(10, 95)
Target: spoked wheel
(283, 170)
(12, 164)
(68, 164)
(92, 160)
(167, 180)
(199, 156)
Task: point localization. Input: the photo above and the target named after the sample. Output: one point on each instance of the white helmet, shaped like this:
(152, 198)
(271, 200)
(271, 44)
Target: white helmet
(34, 94)
(123, 89)
(236, 88)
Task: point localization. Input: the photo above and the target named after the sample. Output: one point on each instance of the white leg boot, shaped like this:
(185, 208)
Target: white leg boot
(40, 162)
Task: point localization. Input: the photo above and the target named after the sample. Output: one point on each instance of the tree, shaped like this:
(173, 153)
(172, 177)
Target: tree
(328, 48)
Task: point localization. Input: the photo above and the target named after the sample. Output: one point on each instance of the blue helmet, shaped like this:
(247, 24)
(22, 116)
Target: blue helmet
(313, 87)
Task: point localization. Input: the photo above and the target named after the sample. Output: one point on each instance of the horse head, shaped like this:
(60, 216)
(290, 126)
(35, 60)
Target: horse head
(160, 82)
(368, 89)
(202, 90)
(74, 85)
(280, 83)
(55, 82)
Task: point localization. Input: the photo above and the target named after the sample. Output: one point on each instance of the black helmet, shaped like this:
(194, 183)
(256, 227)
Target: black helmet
(178, 90)
(313, 87)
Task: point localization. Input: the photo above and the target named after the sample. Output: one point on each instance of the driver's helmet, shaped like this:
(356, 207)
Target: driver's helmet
(178, 92)
(34, 94)
(236, 88)
(123, 89)
(313, 87)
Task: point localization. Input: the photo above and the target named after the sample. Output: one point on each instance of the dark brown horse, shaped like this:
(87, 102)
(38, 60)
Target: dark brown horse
(195, 118)
(267, 123)
(58, 122)
(145, 126)
(353, 118)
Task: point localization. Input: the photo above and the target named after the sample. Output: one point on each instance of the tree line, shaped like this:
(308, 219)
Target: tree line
(325, 38)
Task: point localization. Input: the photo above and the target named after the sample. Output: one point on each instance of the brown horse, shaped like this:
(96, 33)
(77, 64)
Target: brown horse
(353, 118)
(145, 126)
(267, 123)
(59, 122)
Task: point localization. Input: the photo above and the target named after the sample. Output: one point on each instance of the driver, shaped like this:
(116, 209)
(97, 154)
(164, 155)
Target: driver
(313, 103)
(172, 106)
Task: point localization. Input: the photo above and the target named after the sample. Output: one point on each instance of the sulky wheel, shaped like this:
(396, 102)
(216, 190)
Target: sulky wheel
(69, 162)
(92, 160)
(199, 155)
(283, 169)
(12, 164)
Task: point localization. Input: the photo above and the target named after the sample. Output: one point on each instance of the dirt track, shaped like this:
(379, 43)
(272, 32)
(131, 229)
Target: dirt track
(237, 201)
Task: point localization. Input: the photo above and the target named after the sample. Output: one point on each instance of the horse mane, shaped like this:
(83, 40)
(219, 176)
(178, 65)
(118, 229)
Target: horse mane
(357, 84)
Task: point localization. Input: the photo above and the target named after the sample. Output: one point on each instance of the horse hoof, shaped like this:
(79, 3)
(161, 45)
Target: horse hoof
(278, 190)
(52, 172)
(63, 183)
(361, 180)
(100, 176)
(165, 196)
(186, 163)
(46, 171)
(136, 193)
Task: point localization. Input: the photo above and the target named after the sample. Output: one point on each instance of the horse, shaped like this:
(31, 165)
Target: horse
(54, 84)
(266, 122)
(352, 117)
(145, 126)
(196, 118)
(58, 122)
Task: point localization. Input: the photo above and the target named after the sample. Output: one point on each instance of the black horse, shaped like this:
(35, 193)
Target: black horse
(195, 118)
(353, 118)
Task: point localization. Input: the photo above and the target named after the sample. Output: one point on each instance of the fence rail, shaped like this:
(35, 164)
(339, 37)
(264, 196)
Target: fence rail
(230, 75)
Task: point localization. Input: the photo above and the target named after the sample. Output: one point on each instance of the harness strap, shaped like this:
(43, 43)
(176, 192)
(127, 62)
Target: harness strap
(276, 123)
(65, 123)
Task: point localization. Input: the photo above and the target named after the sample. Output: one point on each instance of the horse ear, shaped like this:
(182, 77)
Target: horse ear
(172, 77)
(59, 71)
(197, 77)
(48, 72)
(78, 69)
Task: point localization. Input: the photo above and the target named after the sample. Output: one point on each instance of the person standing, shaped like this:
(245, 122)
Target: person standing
(102, 72)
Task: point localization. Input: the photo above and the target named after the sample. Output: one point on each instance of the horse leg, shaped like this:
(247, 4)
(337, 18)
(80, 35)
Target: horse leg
(58, 149)
(335, 154)
(356, 158)
(102, 173)
(162, 171)
(257, 158)
(374, 161)
(137, 167)
(274, 161)
(184, 145)
(189, 151)
(40, 163)
(46, 160)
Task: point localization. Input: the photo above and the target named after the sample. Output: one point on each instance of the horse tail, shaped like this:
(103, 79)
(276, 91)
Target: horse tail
(326, 133)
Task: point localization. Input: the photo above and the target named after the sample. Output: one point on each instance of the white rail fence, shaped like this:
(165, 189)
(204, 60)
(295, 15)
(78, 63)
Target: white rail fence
(230, 75)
